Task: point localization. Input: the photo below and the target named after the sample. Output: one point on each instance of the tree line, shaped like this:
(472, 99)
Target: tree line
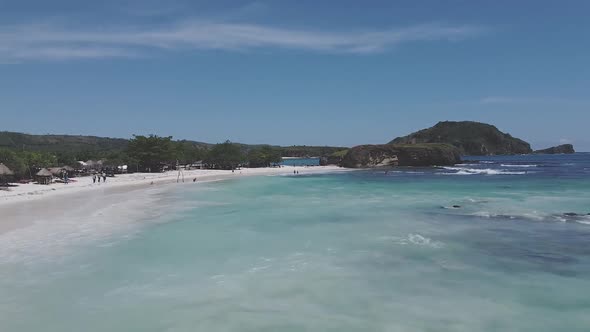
(149, 152)
(146, 153)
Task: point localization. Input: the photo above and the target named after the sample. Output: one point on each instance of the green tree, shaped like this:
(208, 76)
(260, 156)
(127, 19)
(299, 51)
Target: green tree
(35, 159)
(150, 151)
(264, 156)
(26, 163)
(187, 152)
(66, 158)
(16, 163)
(225, 155)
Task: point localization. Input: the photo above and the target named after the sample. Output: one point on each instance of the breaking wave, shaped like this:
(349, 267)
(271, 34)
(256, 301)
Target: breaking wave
(539, 217)
(522, 165)
(479, 171)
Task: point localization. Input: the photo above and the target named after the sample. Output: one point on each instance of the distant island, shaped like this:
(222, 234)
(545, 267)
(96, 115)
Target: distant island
(560, 149)
(471, 138)
(442, 144)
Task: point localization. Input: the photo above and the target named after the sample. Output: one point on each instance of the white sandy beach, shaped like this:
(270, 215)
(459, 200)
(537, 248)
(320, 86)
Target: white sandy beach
(26, 204)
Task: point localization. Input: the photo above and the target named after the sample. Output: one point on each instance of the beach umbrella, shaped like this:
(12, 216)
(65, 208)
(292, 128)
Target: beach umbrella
(44, 176)
(4, 170)
(68, 168)
(55, 170)
(44, 172)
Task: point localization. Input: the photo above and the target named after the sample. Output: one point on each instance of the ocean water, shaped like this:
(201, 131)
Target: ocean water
(301, 162)
(489, 245)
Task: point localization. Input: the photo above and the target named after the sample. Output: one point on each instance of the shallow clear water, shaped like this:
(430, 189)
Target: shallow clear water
(301, 162)
(357, 251)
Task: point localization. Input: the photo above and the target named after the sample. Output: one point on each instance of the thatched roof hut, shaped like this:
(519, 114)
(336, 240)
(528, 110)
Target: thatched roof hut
(44, 176)
(55, 171)
(44, 172)
(4, 170)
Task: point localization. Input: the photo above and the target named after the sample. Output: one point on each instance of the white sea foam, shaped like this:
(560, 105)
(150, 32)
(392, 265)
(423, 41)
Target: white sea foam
(417, 239)
(481, 171)
(516, 165)
(532, 216)
(420, 240)
(412, 239)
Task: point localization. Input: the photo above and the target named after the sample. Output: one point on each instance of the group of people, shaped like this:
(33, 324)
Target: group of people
(96, 176)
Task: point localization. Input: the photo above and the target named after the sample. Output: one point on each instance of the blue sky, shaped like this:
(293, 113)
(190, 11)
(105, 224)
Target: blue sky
(295, 72)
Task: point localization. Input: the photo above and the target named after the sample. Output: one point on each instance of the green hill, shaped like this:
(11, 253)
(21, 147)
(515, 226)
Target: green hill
(471, 138)
(91, 145)
(60, 143)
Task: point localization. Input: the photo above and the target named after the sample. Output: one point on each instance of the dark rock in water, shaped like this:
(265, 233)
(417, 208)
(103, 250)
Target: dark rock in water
(451, 207)
(560, 149)
(471, 138)
(570, 214)
(388, 155)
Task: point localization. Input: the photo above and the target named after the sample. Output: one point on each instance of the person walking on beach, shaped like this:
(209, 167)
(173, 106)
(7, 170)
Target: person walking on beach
(104, 177)
(93, 178)
(98, 177)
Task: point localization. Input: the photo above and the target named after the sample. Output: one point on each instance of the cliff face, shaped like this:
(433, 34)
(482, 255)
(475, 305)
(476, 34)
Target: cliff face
(366, 156)
(334, 158)
(564, 148)
(471, 138)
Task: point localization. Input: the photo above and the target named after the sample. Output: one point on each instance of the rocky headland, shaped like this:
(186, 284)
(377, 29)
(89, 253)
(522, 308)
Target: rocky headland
(391, 155)
(560, 149)
(471, 138)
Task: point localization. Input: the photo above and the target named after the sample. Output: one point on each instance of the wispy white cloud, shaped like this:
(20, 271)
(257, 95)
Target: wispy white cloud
(503, 100)
(54, 42)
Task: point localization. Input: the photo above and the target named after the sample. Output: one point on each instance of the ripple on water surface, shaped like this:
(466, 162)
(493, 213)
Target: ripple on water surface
(343, 252)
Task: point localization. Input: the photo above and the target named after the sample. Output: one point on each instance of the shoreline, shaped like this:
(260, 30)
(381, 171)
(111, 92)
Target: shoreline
(28, 204)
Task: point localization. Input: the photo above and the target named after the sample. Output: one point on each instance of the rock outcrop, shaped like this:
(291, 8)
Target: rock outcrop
(388, 155)
(560, 149)
(334, 158)
(471, 138)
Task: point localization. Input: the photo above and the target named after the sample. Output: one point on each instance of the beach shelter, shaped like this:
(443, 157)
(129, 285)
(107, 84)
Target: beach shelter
(44, 176)
(56, 171)
(70, 170)
(4, 172)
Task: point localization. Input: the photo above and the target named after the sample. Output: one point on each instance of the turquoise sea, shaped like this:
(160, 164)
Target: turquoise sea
(495, 244)
(301, 162)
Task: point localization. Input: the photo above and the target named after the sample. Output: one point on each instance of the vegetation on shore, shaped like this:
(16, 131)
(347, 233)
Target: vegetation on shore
(471, 138)
(25, 154)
